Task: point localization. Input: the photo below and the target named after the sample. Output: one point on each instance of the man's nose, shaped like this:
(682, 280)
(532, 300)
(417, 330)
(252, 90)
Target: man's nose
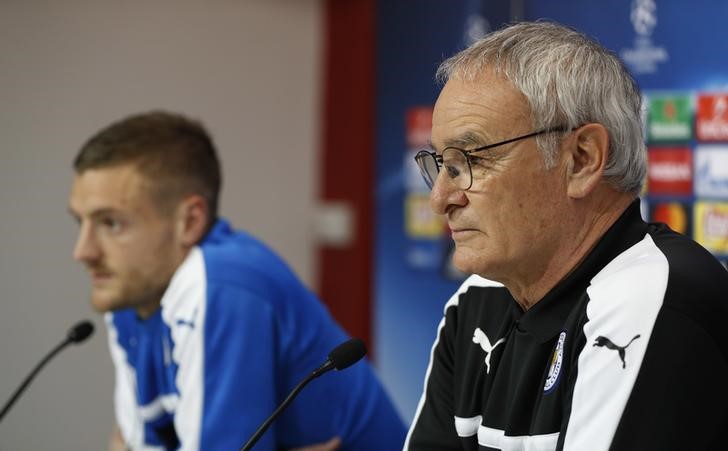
(445, 194)
(86, 249)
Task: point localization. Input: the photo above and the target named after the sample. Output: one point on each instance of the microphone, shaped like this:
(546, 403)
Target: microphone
(343, 356)
(77, 334)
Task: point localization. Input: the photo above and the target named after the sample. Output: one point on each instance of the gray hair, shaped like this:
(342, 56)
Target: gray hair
(569, 80)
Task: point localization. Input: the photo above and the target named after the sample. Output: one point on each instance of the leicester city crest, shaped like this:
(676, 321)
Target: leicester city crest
(557, 361)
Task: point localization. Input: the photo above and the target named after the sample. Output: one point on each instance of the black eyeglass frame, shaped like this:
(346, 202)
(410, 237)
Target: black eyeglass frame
(438, 157)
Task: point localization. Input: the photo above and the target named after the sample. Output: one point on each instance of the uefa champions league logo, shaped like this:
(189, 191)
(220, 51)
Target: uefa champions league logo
(643, 16)
(643, 57)
(476, 27)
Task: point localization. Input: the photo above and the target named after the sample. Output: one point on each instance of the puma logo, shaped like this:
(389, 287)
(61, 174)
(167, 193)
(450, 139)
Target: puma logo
(607, 343)
(480, 338)
(188, 322)
(184, 322)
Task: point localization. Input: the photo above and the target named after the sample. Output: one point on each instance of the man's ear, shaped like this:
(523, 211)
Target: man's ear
(588, 151)
(192, 217)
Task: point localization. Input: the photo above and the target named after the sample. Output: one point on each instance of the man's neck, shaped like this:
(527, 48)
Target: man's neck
(582, 234)
(148, 309)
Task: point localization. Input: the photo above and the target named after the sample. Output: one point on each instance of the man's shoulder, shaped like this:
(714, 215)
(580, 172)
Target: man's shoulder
(240, 273)
(697, 283)
(235, 246)
(236, 258)
(685, 256)
(668, 270)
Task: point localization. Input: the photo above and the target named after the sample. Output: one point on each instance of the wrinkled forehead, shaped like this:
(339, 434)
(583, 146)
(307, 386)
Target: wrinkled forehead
(478, 111)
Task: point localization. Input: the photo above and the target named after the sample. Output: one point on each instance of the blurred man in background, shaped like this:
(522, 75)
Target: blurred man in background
(583, 327)
(208, 329)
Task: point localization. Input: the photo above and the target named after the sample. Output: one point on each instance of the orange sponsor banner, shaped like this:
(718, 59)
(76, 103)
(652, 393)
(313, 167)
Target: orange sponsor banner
(674, 214)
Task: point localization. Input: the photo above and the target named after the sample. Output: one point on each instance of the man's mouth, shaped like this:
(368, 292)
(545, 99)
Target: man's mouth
(100, 276)
(462, 233)
(455, 230)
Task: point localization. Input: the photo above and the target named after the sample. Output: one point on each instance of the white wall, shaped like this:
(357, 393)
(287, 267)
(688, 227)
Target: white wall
(248, 69)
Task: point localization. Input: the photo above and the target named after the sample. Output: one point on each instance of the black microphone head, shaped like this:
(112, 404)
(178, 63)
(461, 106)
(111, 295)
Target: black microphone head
(347, 353)
(80, 331)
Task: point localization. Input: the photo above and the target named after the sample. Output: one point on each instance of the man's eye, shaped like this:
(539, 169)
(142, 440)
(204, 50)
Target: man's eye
(113, 225)
(474, 160)
(452, 171)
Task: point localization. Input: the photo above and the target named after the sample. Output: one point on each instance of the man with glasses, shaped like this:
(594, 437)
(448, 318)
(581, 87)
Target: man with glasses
(582, 327)
(208, 329)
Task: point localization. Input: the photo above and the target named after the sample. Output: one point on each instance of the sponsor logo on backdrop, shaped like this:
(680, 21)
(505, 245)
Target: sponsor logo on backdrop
(476, 26)
(670, 171)
(711, 171)
(711, 117)
(675, 214)
(669, 118)
(711, 226)
(644, 56)
(419, 125)
(423, 229)
(420, 221)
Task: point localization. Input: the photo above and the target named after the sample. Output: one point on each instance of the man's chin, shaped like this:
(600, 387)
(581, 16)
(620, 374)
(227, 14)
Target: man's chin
(469, 262)
(105, 304)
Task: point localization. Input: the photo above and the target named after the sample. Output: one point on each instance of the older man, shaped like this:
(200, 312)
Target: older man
(583, 327)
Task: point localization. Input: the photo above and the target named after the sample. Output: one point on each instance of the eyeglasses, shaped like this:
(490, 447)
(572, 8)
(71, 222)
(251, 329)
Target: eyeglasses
(458, 162)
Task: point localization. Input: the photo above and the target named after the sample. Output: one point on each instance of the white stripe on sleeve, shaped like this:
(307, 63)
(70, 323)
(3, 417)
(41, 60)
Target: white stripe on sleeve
(624, 300)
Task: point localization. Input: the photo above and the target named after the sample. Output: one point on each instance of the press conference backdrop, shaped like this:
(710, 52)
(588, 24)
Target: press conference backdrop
(674, 50)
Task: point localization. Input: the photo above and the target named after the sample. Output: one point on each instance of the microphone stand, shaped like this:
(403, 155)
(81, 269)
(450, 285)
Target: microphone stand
(343, 356)
(77, 334)
(32, 374)
(328, 365)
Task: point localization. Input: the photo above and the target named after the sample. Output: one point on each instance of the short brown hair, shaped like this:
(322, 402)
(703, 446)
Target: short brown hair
(174, 152)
